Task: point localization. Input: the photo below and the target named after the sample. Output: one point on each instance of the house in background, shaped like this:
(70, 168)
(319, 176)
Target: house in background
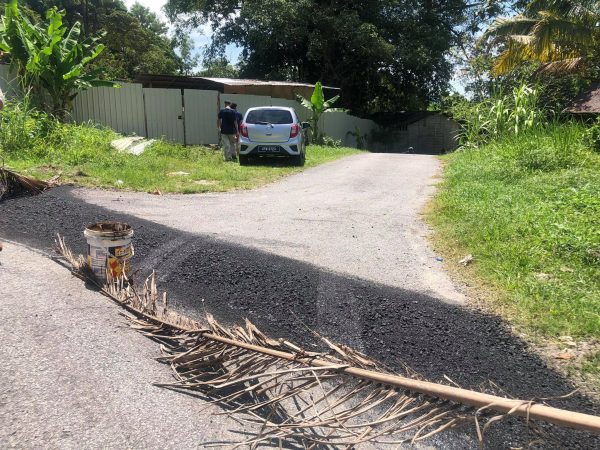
(587, 103)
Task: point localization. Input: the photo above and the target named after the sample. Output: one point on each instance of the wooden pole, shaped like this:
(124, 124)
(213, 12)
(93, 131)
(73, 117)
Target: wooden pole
(522, 408)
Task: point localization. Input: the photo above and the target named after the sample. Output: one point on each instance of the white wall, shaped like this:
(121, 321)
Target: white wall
(339, 125)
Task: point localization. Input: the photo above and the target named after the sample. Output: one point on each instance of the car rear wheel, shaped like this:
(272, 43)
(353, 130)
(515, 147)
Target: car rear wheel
(299, 160)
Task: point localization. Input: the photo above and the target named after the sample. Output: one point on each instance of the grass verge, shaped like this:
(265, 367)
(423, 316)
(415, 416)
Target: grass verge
(528, 209)
(82, 154)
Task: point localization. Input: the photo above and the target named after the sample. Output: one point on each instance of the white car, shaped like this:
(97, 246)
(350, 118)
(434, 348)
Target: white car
(273, 131)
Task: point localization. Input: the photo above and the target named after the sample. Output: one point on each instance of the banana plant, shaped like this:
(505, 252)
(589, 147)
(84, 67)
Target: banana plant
(51, 60)
(317, 105)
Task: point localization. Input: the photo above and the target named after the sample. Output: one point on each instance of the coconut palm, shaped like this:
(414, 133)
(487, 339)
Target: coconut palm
(560, 34)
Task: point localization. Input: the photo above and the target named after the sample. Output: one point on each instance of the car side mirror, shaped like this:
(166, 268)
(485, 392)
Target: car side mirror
(305, 125)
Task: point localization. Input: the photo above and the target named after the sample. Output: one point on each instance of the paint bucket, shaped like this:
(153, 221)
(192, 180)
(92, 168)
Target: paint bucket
(109, 248)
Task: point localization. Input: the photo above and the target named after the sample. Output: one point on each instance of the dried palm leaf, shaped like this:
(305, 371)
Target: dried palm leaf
(337, 398)
(12, 184)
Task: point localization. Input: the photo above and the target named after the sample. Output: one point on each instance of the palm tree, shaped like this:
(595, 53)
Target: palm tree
(562, 35)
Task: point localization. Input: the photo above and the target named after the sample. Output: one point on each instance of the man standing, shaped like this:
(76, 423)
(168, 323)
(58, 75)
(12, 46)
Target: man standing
(227, 124)
(239, 119)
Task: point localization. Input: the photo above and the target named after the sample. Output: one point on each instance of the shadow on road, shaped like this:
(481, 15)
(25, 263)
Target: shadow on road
(281, 296)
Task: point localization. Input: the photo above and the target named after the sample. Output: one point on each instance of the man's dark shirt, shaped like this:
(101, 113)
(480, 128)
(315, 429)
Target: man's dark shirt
(228, 118)
(239, 116)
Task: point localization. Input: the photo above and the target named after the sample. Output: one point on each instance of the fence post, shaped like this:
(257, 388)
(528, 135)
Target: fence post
(145, 114)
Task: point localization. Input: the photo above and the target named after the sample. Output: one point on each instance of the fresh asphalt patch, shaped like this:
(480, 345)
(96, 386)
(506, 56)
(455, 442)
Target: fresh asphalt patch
(285, 297)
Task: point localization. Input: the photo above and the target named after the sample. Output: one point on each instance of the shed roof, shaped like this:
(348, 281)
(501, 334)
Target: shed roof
(278, 89)
(588, 102)
(251, 82)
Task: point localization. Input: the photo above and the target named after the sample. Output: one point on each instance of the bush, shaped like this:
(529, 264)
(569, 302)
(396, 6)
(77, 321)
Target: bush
(592, 136)
(552, 147)
(331, 142)
(27, 133)
(21, 126)
(498, 116)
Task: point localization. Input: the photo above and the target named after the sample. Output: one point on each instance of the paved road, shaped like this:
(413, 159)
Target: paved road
(74, 375)
(339, 248)
(358, 216)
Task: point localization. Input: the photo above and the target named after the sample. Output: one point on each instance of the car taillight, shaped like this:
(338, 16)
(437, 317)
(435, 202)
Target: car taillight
(294, 131)
(244, 130)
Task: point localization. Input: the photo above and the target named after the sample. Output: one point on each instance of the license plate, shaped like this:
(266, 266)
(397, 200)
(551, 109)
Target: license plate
(268, 149)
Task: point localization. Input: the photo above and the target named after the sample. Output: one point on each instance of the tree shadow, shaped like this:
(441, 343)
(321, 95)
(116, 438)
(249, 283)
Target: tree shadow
(285, 298)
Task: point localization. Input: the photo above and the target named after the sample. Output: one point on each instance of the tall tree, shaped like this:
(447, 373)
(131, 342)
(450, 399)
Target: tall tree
(384, 54)
(148, 19)
(219, 67)
(188, 59)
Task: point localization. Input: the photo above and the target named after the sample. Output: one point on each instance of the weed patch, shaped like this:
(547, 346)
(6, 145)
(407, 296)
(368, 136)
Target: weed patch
(82, 154)
(528, 208)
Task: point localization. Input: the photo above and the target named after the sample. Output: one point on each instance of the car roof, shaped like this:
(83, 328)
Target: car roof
(286, 108)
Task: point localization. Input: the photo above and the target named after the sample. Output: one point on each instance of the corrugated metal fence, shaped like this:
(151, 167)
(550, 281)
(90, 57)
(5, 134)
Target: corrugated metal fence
(188, 116)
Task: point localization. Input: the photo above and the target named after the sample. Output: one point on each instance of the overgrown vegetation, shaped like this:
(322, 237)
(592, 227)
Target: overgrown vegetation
(498, 115)
(51, 61)
(39, 145)
(527, 207)
(522, 195)
(136, 40)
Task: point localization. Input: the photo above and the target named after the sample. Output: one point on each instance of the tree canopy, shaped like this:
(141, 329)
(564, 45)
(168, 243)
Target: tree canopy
(384, 54)
(136, 40)
(50, 58)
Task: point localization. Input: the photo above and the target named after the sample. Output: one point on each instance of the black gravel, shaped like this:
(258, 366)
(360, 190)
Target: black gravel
(280, 295)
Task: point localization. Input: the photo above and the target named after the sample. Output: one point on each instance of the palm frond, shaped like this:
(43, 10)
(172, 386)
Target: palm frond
(557, 36)
(335, 398)
(563, 66)
(564, 8)
(504, 27)
(515, 54)
(12, 184)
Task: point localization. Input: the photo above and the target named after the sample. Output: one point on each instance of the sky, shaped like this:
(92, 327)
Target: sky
(200, 37)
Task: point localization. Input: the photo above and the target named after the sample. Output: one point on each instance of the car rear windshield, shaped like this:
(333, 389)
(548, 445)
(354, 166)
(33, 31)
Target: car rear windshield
(274, 116)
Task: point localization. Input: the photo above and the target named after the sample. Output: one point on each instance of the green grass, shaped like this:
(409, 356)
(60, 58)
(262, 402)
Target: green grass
(528, 209)
(81, 153)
